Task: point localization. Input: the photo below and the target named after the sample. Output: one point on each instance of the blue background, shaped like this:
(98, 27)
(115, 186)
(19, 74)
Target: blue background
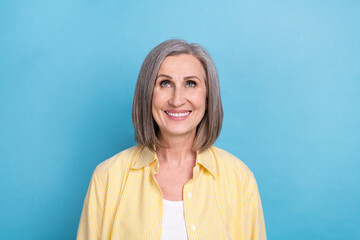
(290, 83)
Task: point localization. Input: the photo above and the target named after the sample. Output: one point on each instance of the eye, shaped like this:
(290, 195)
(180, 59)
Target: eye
(165, 83)
(191, 83)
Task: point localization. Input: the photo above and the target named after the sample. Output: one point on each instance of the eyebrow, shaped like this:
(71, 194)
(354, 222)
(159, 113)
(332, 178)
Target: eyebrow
(186, 78)
(163, 75)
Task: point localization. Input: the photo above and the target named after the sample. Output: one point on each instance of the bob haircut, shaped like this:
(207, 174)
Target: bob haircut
(146, 129)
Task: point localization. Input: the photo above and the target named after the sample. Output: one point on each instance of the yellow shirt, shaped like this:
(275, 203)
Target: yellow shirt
(123, 201)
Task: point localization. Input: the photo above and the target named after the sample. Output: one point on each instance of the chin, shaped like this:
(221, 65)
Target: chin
(179, 132)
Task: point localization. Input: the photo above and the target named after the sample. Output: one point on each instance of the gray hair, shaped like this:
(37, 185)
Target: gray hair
(146, 129)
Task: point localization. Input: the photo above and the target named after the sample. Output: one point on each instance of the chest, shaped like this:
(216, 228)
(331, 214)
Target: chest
(171, 182)
(140, 211)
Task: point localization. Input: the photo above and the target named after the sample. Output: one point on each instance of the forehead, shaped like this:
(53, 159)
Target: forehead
(183, 64)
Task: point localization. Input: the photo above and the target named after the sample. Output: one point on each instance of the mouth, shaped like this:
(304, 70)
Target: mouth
(178, 114)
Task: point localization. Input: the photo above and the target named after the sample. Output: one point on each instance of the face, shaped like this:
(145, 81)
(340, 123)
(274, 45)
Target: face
(179, 97)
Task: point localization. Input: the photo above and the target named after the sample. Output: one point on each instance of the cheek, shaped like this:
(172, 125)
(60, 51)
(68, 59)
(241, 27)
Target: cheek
(156, 100)
(160, 97)
(200, 101)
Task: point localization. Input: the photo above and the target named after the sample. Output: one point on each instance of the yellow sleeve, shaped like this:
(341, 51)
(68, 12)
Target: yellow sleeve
(254, 218)
(93, 210)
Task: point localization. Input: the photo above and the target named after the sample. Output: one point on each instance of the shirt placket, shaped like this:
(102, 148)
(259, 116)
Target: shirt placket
(158, 220)
(189, 206)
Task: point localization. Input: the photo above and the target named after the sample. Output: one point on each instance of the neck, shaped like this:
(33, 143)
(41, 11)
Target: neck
(178, 150)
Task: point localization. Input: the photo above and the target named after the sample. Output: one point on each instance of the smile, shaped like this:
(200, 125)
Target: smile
(178, 115)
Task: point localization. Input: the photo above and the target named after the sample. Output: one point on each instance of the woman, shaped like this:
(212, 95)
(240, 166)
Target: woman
(174, 184)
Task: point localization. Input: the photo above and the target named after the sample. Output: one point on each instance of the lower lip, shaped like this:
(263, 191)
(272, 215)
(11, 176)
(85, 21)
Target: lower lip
(178, 118)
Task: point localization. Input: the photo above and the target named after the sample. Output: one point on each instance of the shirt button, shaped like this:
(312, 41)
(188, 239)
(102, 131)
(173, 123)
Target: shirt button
(189, 195)
(193, 227)
(197, 168)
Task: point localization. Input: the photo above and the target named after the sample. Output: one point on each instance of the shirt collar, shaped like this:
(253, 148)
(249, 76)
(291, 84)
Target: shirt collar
(147, 156)
(206, 160)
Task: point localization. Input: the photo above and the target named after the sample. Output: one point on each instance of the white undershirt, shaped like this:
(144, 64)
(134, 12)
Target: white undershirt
(173, 224)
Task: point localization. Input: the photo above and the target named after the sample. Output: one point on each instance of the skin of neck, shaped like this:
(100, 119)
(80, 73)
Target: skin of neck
(178, 151)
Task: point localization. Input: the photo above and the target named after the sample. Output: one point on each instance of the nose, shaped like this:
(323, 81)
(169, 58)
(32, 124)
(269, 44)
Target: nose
(177, 99)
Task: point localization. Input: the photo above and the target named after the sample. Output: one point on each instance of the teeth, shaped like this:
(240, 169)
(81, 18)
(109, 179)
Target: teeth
(178, 114)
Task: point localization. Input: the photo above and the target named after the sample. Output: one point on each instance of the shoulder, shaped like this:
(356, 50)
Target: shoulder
(232, 167)
(117, 165)
(227, 160)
